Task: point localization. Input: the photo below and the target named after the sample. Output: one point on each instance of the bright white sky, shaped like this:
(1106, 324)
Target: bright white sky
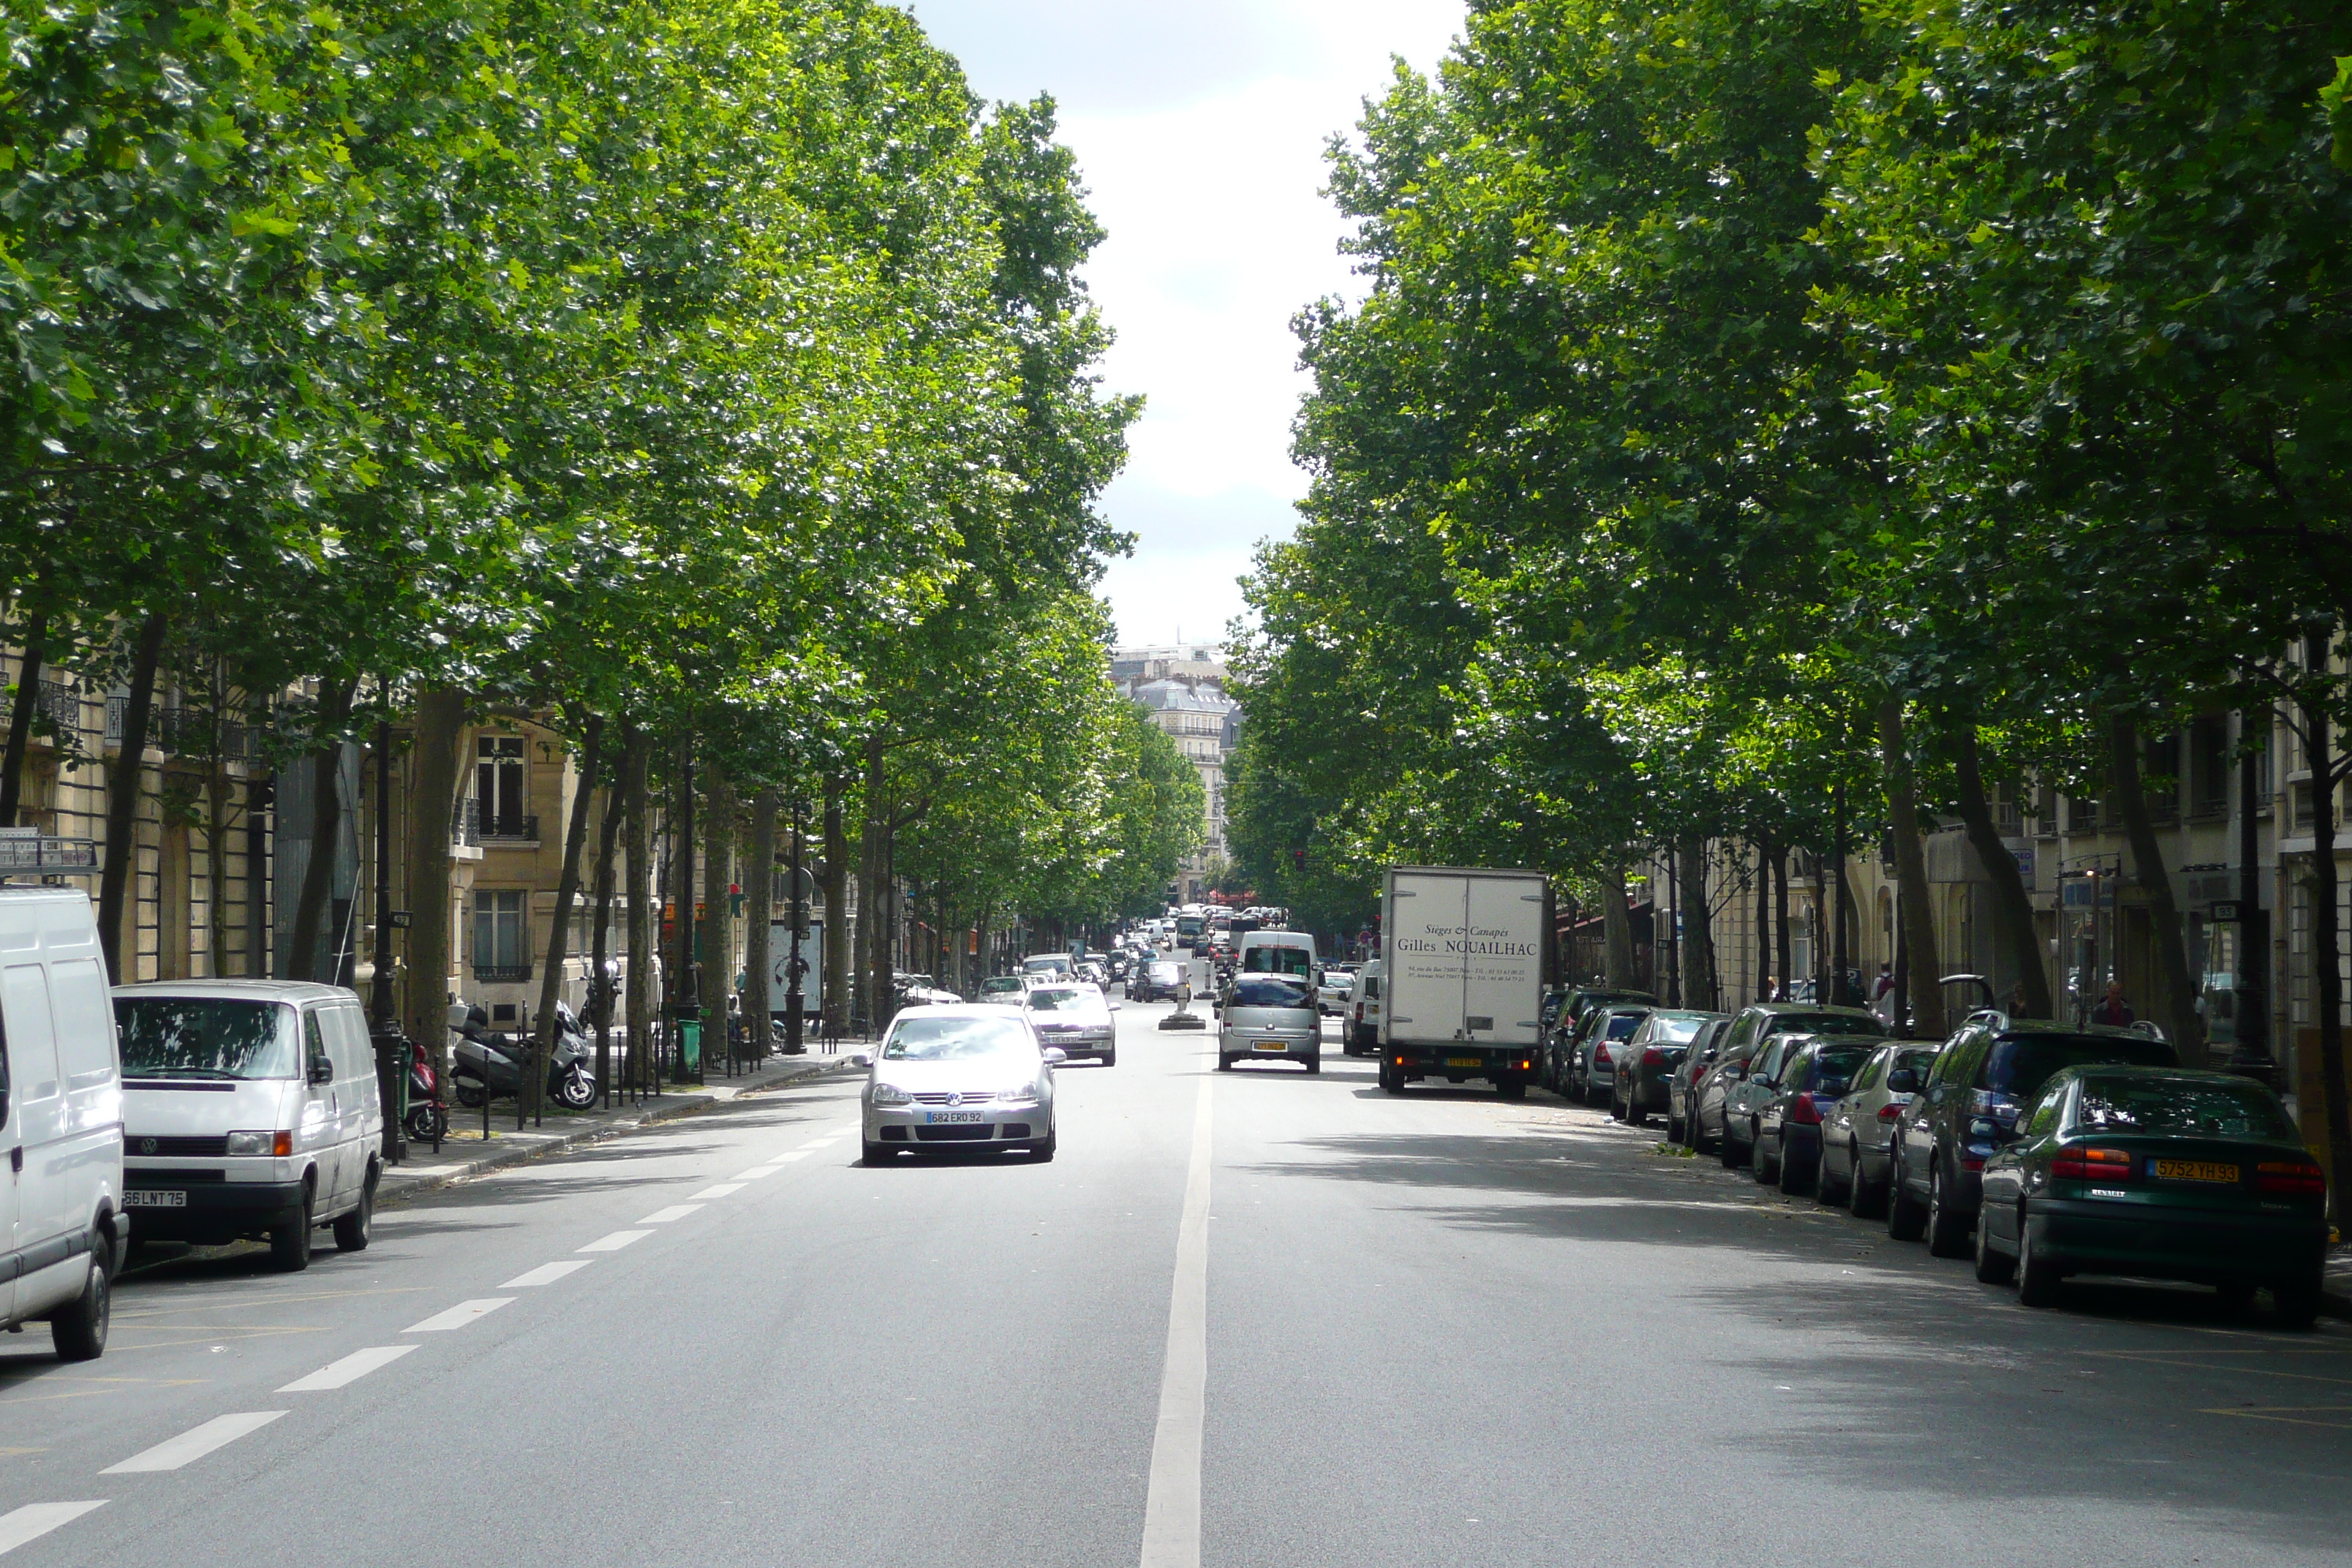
(1200, 130)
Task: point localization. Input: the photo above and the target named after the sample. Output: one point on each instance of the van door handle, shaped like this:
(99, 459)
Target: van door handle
(16, 1159)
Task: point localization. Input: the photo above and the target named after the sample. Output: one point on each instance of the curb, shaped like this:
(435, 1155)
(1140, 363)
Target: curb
(393, 1189)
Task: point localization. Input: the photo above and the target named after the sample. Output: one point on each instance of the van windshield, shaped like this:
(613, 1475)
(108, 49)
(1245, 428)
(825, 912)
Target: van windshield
(206, 1037)
(1266, 990)
(1268, 960)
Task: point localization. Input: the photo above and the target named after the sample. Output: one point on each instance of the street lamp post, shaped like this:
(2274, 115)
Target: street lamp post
(793, 1044)
(391, 1049)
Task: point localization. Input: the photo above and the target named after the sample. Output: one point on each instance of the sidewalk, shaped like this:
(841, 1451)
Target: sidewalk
(463, 1153)
(2336, 1291)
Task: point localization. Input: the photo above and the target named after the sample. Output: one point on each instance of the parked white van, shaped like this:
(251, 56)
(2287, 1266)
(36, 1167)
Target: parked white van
(62, 1229)
(250, 1109)
(1278, 952)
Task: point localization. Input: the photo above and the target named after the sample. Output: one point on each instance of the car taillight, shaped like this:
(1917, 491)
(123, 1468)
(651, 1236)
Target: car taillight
(2092, 1165)
(1359, 1011)
(1890, 1113)
(1653, 1058)
(1601, 1056)
(2291, 1178)
(1804, 1112)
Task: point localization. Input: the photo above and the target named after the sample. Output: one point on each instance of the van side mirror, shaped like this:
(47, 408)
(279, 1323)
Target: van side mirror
(322, 1072)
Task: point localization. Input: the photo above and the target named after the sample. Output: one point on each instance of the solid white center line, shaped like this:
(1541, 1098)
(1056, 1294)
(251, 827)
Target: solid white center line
(459, 1316)
(194, 1443)
(36, 1520)
(1172, 1506)
(617, 1240)
(351, 1369)
(724, 1189)
(546, 1273)
(675, 1211)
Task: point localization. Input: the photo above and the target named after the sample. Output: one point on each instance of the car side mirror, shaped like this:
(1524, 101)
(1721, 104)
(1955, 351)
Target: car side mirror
(1055, 1055)
(1903, 1081)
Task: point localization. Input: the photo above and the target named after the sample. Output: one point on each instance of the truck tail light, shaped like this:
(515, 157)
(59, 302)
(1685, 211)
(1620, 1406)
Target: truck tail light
(2092, 1165)
(2291, 1178)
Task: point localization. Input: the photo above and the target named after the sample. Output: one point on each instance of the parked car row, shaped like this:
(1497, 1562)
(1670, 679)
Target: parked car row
(2039, 1149)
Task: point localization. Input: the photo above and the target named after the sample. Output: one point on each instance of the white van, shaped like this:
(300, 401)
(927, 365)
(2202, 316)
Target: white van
(250, 1109)
(1362, 1032)
(1049, 966)
(1279, 952)
(62, 1229)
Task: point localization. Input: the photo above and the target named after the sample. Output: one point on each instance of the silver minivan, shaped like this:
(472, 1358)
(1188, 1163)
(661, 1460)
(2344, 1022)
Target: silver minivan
(62, 1229)
(1271, 1017)
(251, 1109)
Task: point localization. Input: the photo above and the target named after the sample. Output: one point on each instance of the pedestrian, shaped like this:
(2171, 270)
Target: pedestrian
(1882, 995)
(2113, 1008)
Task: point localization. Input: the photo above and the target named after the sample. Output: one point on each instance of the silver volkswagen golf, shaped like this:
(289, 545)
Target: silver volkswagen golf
(956, 1077)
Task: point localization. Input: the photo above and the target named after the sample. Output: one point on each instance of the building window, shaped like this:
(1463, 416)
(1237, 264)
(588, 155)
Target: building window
(498, 786)
(501, 939)
(2210, 765)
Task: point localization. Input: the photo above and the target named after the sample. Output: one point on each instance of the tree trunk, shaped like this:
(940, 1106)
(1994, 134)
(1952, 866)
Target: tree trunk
(1764, 921)
(759, 909)
(836, 913)
(686, 986)
(559, 930)
(20, 719)
(600, 995)
(1841, 950)
(1698, 973)
(1822, 990)
(2013, 907)
(1926, 999)
(1617, 928)
(125, 778)
(2327, 941)
(870, 927)
(2177, 1004)
(637, 851)
(717, 945)
(1780, 921)
(425, 1004)
(311, 955)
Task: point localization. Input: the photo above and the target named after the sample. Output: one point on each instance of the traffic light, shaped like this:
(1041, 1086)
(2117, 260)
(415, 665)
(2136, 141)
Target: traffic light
(1298, 861)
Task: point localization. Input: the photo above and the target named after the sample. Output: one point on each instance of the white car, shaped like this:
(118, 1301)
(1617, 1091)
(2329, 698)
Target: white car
(1002, 990)
(1076, 1018)
(1360, 1025)
(950, 1077)
(1334, 992)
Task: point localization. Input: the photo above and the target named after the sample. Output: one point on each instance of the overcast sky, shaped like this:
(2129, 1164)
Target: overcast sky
(1200, 129)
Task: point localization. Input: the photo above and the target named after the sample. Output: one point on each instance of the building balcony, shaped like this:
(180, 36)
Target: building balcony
(503, 974)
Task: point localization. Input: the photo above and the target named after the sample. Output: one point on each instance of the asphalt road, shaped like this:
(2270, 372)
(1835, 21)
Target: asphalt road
(1434, 1330)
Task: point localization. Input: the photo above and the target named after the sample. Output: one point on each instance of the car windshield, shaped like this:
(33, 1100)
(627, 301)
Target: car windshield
(1622, 1025)
(1167, 973)
(2186, 1107)
(2021, 1064)
(937, 1039)
(1277, 961)
(1001, 982)
(1834, 1068)
(1268, 991)
(1676, 1028)
(211, 1036)
(1058, 999)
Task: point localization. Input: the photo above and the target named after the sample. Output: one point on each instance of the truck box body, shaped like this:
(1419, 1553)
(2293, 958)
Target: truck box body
(1467, 952)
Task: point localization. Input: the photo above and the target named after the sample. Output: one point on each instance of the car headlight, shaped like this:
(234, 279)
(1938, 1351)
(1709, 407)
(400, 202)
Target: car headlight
(889, 1094)
(249, 1144)
(1020, 1094)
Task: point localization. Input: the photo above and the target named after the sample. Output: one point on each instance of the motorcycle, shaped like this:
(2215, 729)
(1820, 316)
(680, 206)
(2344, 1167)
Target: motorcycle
(490, 1067)
(428, 1119)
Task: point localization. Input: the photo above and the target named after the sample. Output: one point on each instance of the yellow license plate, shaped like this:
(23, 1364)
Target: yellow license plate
(2195, 1171)
(1465, 1061)
(1268, 1045)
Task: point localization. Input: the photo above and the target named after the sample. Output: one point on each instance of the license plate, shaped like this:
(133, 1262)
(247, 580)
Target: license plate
(135, 1198)
(935, 1117)
(1465, 1061)
(2193, 1171)
(1268, 1045)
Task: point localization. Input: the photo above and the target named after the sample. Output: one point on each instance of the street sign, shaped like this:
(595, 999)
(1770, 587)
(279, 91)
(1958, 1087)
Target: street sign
(402, 919)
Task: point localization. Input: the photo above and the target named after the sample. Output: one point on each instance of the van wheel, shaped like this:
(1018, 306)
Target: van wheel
(1315, 1064)
(78, 1329)
(1512, 1088)
(353, 1229)
(289, 1244)
(1111, 1058)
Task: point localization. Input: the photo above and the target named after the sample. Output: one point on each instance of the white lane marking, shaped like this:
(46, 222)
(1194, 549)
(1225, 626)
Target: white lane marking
(546, 1273)
(351, 1369)
(675, 1211)
(820, 1143)
(754, 1174)
(36, 1520)
(194, 1443)
(459, 1316)
(796, 1154)
(617, 1240)
(724, 1189)
(1172, 1508)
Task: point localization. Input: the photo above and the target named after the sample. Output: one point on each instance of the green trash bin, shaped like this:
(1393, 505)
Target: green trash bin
(689, 1044)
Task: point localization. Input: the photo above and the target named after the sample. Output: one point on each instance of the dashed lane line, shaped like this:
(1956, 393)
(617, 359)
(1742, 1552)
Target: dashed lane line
(547, 1273)
(723, 1190)
(459, 1316)
(617, 1240)
(675, 1211)
(36, 1520)
(348, 1370)
(194, 1443)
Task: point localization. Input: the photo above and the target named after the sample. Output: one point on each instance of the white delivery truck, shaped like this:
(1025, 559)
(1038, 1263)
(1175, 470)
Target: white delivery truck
(1465, 952)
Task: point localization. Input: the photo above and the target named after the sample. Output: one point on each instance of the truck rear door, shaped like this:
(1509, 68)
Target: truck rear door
(1502, 980)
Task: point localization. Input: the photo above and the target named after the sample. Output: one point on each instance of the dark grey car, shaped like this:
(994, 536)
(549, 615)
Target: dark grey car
(1592, 1063)
(1650, 1059)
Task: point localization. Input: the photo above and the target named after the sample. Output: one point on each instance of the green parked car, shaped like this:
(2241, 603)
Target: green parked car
(2162, 1173)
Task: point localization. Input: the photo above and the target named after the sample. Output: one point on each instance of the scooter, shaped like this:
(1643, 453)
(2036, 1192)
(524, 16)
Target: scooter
(428, 1119)
(490, 1067)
